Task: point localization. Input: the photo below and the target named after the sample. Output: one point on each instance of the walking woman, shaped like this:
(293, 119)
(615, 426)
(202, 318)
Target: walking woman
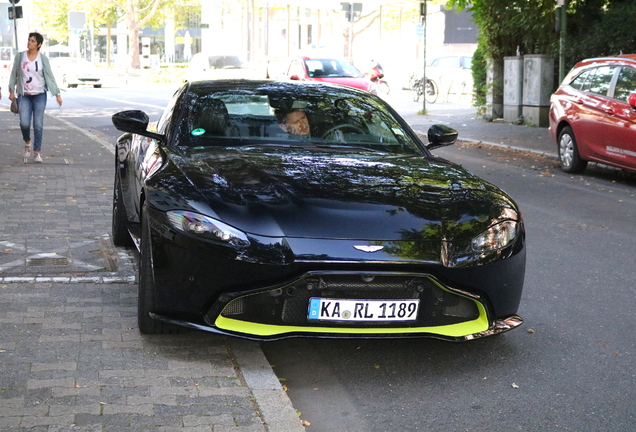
(32, 76)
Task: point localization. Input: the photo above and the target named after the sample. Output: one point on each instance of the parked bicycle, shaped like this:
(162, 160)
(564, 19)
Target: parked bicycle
(430, 91)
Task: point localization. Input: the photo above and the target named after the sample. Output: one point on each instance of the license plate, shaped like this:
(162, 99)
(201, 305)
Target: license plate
(362, 310)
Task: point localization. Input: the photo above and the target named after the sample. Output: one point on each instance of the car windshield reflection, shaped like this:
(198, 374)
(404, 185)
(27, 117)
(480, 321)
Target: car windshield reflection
(237, 117)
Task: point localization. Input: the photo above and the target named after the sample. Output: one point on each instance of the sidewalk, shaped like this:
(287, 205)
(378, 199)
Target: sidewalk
(472, 127)
(71, 357)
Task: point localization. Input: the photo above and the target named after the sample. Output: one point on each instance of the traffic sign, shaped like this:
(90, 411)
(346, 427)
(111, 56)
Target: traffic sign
(15, 12)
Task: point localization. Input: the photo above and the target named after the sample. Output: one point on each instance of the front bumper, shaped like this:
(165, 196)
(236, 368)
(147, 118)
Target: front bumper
(282, 311)
(203, 286)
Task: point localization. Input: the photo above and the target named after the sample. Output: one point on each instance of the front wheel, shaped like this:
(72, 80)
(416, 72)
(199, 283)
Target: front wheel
(431, 91)
(417, 90)
(119, 228)
(571, 161)
(146, 302)
(383, 88)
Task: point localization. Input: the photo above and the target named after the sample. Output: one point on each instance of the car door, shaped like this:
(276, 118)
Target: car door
(296, 70)
(620, 121)
(588, 110)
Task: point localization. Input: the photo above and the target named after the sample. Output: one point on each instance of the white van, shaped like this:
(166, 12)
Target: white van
(204, 66)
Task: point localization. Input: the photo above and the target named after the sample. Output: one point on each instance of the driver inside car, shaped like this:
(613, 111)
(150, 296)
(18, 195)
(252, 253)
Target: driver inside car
(294, 121)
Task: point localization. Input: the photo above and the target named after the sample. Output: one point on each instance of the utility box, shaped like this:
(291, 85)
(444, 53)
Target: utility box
(494, 93)
(538, 84)
(513, 89)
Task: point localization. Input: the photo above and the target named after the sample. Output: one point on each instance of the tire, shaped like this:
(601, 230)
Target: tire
(569, 157)
(412, 81)
(383, 88)
(432, 91)
(119, 227)
(417, 91)
(146, 301)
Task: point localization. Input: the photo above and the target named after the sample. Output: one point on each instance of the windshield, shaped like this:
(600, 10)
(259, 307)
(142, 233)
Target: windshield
(331, 68)
(321, 116)
(226, 62)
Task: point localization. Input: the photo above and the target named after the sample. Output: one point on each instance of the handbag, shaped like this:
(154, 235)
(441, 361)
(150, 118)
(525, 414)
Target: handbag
(14, 106)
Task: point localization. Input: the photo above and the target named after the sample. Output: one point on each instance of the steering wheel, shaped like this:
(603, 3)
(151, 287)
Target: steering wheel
(345, 126)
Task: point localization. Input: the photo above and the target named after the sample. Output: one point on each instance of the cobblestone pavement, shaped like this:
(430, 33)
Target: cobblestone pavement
(71, 356)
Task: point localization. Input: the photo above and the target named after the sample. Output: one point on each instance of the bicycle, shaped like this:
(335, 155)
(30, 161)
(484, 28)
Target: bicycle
(430, 91)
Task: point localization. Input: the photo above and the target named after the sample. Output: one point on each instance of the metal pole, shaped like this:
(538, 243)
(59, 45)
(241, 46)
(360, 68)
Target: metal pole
(424, 56)
(350, 32)
(562, 41)
(15, 29)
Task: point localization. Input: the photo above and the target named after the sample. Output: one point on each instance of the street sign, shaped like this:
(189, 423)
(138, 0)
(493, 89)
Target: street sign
(15, 2)
(15, 12)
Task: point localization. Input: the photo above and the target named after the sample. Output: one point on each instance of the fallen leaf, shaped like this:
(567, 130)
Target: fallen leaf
(285, 387)
(305, 423)
(514, 385)
(530, 330)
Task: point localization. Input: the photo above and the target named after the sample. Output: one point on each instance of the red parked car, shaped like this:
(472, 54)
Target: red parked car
(593, 114)
(326, 70)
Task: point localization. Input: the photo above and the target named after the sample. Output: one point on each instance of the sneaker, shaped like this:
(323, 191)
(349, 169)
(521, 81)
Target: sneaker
(27, 150)
(37, 158)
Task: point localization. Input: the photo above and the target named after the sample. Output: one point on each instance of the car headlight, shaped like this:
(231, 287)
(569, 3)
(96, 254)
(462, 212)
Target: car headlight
(496, 237)
(206, 227)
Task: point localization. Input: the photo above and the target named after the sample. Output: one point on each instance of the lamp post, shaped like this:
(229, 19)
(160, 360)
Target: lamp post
(562, 5)
(16, 11)
(423, 20)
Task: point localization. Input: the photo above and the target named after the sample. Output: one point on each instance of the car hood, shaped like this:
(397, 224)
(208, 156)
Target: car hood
(359, 83)
(296, 192)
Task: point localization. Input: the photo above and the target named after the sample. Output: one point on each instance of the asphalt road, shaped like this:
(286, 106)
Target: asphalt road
(569, 368)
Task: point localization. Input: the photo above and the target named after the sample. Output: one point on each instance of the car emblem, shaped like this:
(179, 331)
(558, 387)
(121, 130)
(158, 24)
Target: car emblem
(369, 249)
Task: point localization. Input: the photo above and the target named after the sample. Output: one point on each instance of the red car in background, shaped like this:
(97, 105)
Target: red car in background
(325, 70)
(593, 114)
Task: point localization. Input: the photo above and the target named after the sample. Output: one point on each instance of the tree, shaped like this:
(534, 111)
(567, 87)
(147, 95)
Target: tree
(508, 27)
(351, 29)
(139, 14)
(102, 14)
(52, 18)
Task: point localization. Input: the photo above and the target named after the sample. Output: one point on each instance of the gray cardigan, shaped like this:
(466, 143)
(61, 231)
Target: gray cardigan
(49, 78)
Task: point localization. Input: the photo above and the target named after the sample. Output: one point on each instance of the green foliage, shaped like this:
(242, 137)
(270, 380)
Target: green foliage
(599, 28)
(52, 18)
(167, 74)
(479, 77)
(510, 26)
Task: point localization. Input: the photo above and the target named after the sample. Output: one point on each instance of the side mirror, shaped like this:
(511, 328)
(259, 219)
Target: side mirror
(632, 100)
(134, 121)
(440, 136)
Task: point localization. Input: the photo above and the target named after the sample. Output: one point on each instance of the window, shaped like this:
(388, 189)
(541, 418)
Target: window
(579, 82)
(626, 83)
(599, 83)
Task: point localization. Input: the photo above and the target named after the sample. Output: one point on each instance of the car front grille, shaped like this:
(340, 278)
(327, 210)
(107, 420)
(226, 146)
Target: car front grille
(288, 305)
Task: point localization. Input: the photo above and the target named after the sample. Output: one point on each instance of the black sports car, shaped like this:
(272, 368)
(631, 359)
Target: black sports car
(266, 210)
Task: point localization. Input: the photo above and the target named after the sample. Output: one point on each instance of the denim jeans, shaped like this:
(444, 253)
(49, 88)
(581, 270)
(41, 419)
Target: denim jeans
(32, 107)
